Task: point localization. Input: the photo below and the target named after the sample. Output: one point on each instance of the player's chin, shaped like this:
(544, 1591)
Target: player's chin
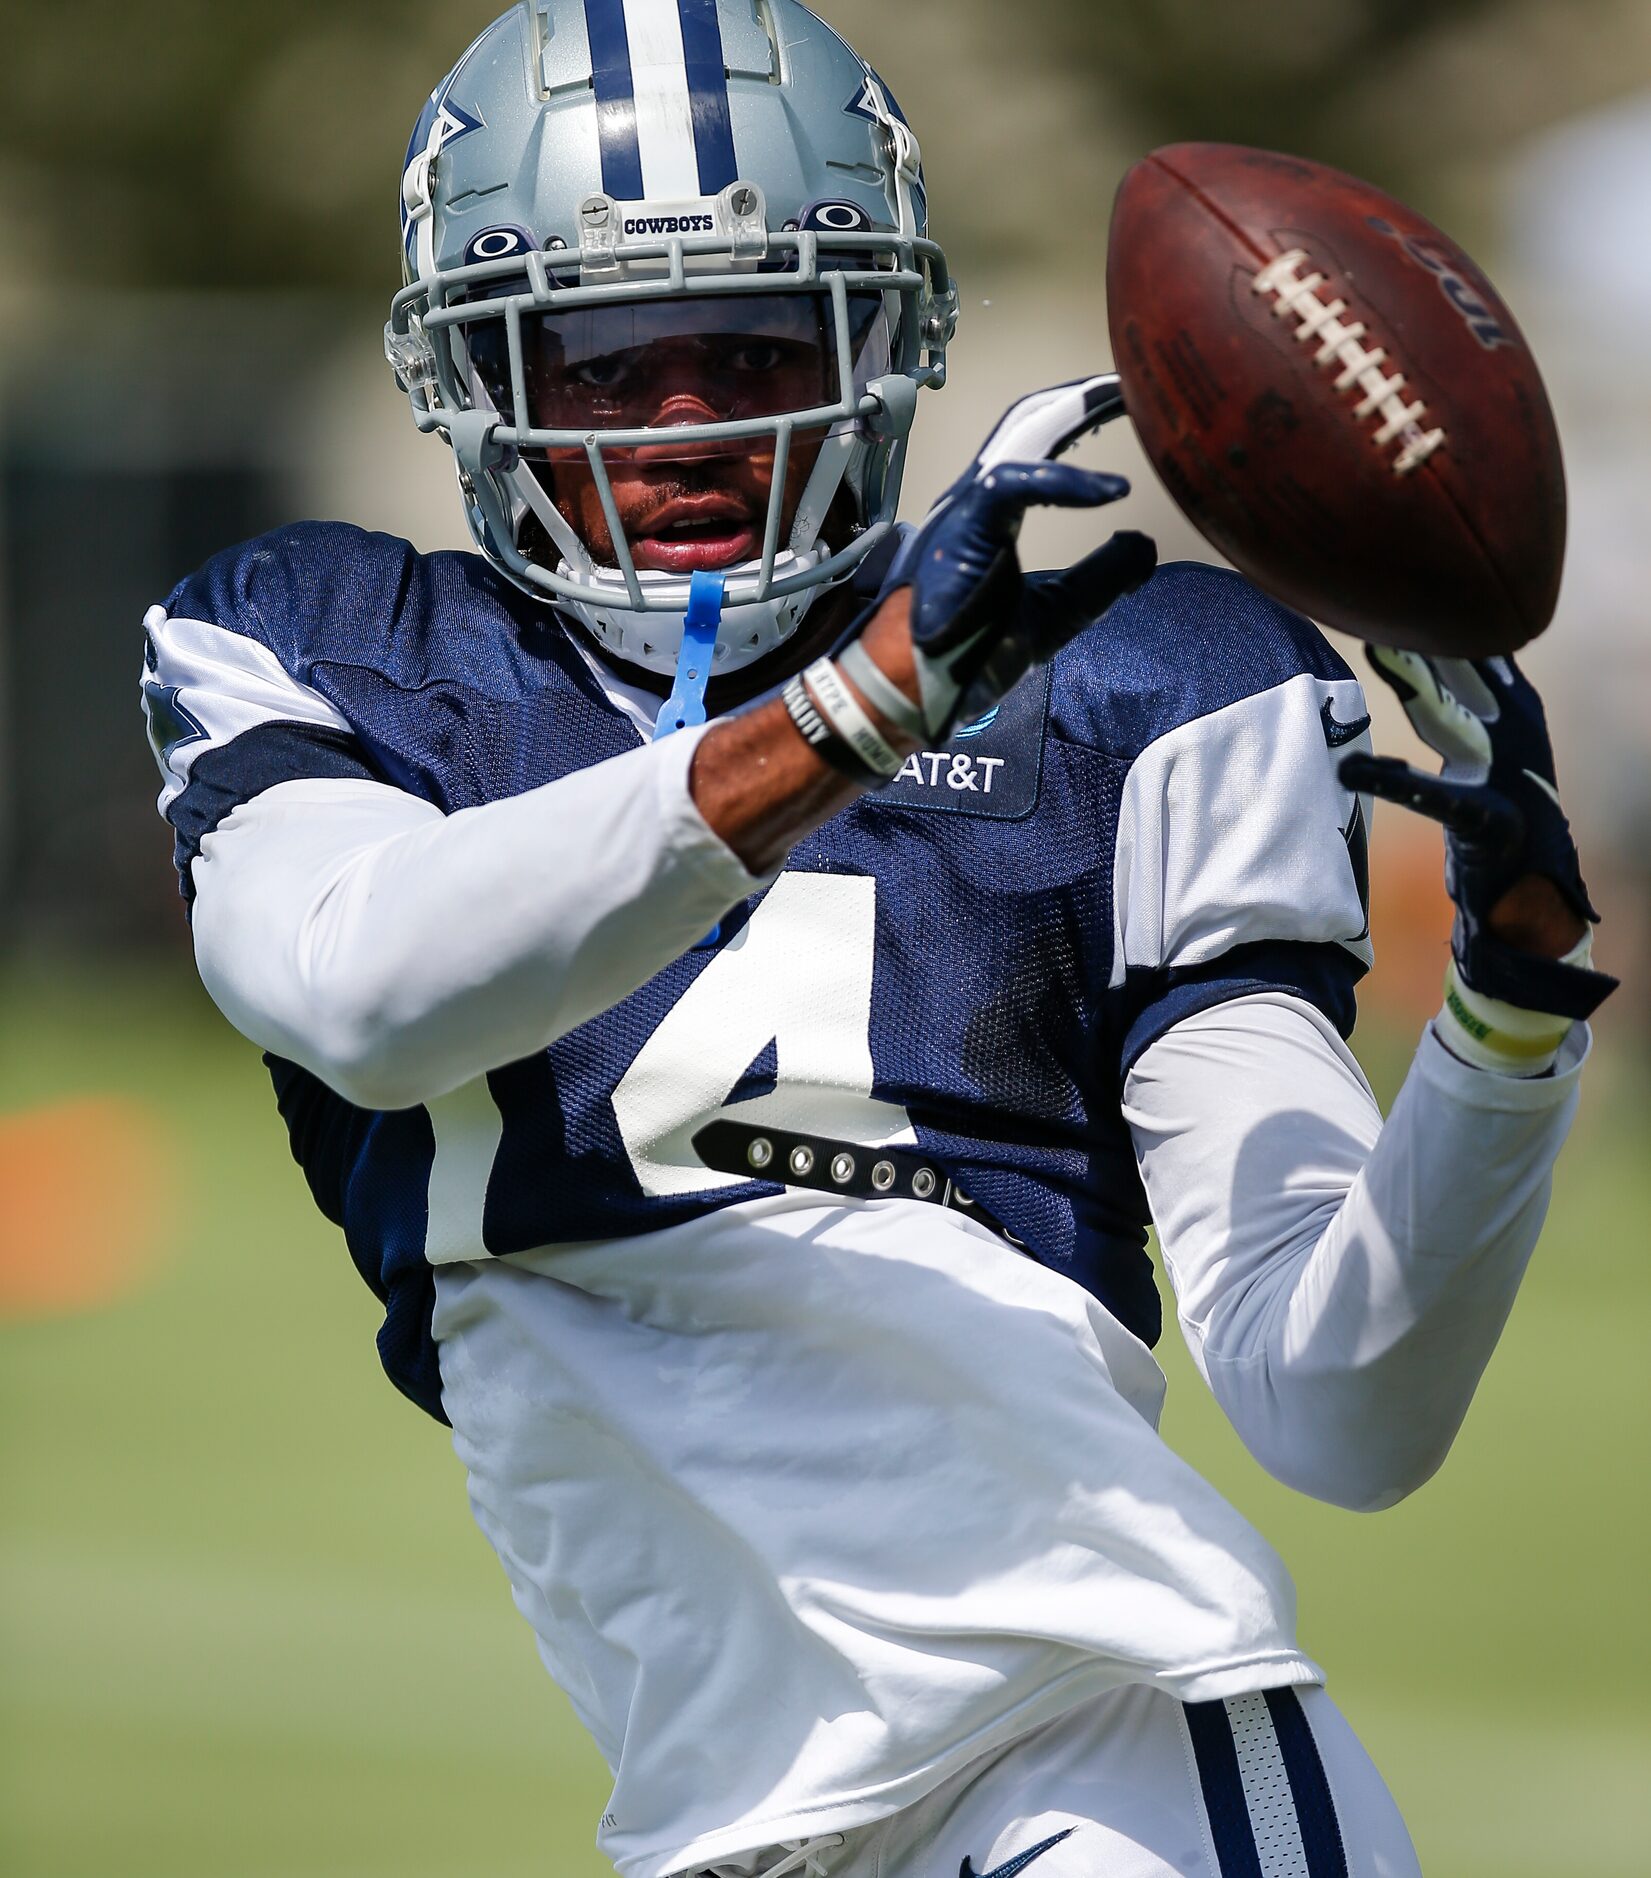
(702, 551)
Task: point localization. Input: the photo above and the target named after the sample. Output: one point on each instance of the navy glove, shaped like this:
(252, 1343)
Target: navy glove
(1498, 801)
(978, 622)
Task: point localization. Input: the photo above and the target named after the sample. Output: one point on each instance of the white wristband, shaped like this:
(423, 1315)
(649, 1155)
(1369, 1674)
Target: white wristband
(880, 691)
(838, 706)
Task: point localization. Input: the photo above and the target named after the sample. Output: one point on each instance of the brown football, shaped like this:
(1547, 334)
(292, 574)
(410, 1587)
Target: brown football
(1338, 398)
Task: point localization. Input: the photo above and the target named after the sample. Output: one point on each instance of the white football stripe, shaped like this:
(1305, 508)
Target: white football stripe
(229, 684)
(664, 106)
(1267, 1795)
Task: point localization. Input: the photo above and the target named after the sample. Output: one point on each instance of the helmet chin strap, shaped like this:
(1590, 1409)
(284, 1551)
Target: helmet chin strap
(686, 704)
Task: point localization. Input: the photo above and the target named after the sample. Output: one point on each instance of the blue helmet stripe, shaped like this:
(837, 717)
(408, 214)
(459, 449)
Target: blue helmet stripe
(610, 59)
(707, 70)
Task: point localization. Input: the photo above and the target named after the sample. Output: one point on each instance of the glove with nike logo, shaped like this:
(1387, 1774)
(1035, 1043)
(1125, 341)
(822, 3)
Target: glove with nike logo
(977, 621)
(1498, 801)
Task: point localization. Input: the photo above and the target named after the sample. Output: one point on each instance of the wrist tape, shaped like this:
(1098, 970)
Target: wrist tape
(1494, 1035)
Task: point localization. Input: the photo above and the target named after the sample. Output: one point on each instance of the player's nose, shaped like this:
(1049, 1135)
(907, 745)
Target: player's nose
(684, 407)
(677, 411)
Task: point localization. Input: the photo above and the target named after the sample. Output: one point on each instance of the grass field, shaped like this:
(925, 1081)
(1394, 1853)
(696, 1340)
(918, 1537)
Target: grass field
(248, 1631)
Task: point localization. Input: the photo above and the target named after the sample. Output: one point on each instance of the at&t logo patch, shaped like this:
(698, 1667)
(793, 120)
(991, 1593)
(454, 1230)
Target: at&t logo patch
(991, 768)
(936, 769)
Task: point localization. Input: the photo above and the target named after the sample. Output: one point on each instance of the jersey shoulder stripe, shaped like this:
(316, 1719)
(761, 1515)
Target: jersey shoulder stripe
(323, 651)
(205, 685)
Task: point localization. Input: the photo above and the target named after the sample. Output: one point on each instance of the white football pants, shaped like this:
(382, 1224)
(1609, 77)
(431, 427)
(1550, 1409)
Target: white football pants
(1135, 1785)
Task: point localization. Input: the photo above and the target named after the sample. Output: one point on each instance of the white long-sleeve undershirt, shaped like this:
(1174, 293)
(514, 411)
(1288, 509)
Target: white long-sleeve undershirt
(398, 952)
(1341, 1282)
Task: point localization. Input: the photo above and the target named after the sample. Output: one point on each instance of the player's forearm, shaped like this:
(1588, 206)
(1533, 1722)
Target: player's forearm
(1342, 1283)
(1351, 1370)
(756, 780)
(761, 788)
(397, 952)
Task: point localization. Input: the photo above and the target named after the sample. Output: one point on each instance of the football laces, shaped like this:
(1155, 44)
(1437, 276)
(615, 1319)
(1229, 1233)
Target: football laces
(1362, 367)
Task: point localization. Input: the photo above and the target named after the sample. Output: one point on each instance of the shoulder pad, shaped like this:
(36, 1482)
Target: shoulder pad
(1193, 640)
(308, 590)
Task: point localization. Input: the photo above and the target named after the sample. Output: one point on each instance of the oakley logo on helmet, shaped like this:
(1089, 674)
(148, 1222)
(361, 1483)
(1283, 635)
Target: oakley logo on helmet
(497, 244)
(835, 218)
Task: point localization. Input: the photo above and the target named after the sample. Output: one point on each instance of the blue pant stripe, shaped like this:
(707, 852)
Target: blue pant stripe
(1315, 1808)
(708, 93)
(610, 59)
(1224, 1802)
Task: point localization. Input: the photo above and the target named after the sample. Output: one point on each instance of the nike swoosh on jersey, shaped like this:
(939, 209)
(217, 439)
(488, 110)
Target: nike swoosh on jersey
(1017, 1864)
(1546, 787)
(1336, 734)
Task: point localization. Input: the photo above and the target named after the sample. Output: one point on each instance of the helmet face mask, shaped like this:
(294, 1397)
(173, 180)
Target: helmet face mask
(670, 373)
(638, 389)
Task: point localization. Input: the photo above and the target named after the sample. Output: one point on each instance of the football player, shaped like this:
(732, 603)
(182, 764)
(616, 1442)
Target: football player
(744, 975)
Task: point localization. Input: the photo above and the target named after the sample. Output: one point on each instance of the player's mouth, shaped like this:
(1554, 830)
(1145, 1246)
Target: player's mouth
(694, 533)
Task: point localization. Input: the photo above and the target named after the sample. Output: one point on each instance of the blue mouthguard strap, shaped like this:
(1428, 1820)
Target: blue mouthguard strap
(686, 704)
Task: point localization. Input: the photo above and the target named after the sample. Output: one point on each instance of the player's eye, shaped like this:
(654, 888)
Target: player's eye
(758, 355)
(606, 374)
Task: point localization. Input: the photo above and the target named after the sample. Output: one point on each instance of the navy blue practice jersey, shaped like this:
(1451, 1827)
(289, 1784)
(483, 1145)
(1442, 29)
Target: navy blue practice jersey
(972, 957)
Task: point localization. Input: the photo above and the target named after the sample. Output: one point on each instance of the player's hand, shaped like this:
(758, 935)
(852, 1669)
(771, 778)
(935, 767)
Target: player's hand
(1511, 865)
(976, 621)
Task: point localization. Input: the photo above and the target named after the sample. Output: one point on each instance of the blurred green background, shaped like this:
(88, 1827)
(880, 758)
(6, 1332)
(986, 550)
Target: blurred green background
(246, 1627)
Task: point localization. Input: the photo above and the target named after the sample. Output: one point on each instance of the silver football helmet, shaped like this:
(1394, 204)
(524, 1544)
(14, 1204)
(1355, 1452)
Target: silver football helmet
(652, 243)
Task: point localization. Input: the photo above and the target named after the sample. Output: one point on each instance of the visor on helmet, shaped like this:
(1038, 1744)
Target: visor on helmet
(710, 359)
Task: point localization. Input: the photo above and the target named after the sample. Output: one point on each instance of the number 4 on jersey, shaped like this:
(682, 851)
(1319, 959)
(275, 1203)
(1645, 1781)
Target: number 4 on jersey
(798, 977)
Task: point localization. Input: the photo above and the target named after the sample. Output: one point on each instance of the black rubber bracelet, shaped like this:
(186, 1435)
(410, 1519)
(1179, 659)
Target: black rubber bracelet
(824, 741)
